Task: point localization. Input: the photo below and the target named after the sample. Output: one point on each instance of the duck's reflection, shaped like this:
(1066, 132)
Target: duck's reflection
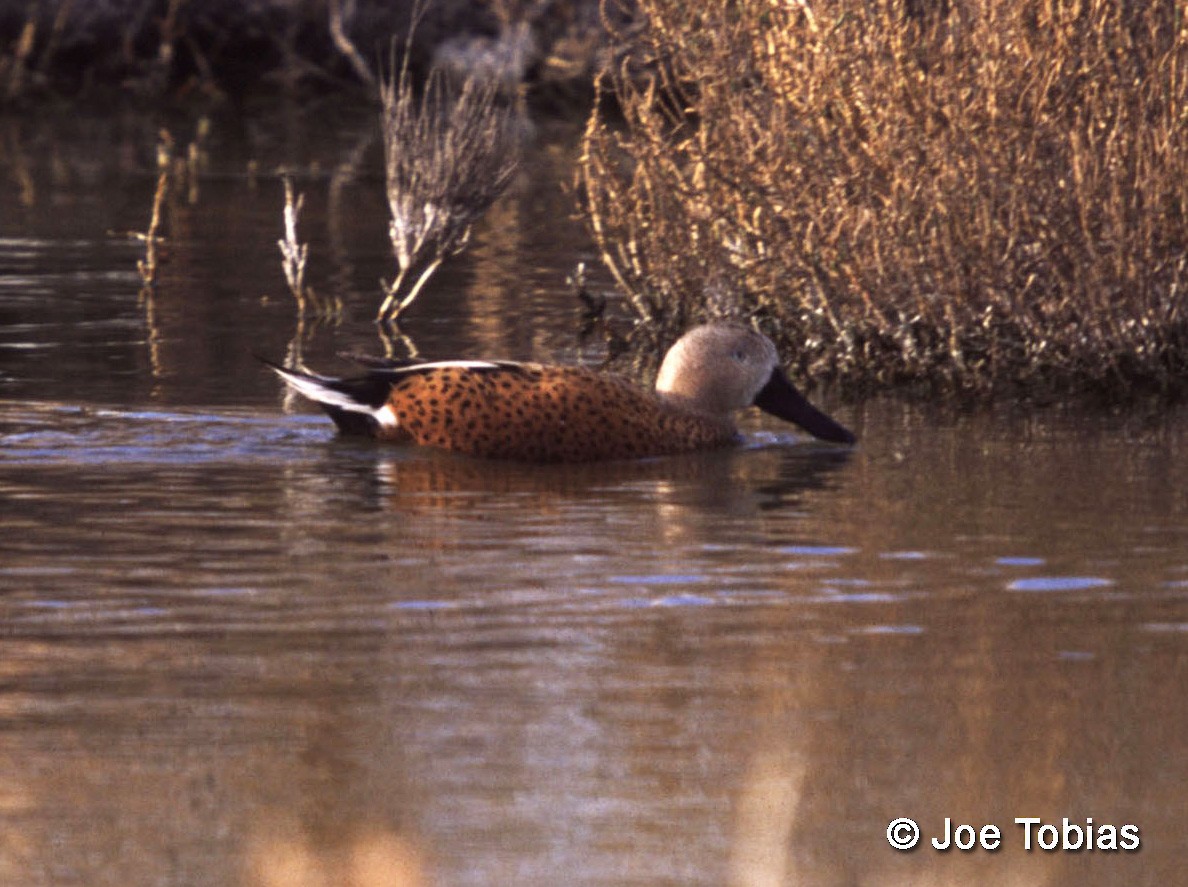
(284, 856)
(732, 479)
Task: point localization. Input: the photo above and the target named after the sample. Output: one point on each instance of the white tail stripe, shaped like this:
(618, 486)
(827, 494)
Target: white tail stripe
(316, 389)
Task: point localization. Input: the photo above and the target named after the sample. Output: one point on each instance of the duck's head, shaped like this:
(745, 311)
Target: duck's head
(720, 368)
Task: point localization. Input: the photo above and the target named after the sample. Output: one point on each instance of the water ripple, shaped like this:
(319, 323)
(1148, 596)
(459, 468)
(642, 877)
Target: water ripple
(1059, 583)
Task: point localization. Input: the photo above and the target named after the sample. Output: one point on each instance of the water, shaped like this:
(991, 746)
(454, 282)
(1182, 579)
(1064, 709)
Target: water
(239, 650)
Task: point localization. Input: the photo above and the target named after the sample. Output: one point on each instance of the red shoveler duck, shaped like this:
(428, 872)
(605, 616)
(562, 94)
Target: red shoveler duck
(536, 413)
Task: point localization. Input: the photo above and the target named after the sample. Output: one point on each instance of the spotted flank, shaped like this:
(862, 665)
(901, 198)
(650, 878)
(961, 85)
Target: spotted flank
(536, 413)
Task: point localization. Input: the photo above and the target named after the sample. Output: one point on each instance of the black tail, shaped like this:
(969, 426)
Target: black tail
(356, 405)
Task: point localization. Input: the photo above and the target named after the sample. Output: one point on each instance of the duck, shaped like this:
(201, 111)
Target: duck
(531, 412)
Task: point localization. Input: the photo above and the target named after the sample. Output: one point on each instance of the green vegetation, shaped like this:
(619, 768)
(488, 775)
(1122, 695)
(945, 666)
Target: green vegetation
(993, 196)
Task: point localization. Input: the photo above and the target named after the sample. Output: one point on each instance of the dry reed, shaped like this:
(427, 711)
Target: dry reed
(151, 237)
(294, 253)
(449, 152)
(990, 195)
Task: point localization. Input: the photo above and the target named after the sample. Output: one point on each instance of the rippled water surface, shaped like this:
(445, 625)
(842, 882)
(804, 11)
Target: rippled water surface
(239, 650)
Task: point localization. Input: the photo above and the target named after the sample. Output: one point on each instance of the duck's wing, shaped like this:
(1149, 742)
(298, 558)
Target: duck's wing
(360, 404)
(506, 410)
(534, 413)
(414, 364)
(374, 362)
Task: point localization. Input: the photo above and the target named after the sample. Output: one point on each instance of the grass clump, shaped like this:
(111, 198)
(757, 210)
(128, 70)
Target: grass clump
(978, 195)
(449, 151)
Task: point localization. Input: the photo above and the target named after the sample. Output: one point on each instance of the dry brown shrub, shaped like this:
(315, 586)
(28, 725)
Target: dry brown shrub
(991, 195)
(450, 150)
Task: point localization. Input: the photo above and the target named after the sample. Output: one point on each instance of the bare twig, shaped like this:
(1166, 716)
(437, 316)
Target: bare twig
(341, 12)
(294, 256)
(293, 252)
(20, 57)
(148, 265)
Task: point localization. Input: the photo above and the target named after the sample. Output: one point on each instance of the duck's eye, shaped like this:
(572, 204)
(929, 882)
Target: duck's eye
(740, 355)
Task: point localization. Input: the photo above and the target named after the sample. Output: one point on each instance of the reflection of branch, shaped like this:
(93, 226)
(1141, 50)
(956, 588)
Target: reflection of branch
(294, 358)
(14, 155)
(195, 159)
(392, 336)
(147, 300)
(285, 854)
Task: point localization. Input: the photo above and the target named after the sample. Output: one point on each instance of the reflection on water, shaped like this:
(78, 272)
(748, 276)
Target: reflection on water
(363, 859)
(239, 650)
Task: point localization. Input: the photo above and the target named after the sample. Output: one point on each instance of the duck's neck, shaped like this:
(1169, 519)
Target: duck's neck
(681, 403)
(677, 401)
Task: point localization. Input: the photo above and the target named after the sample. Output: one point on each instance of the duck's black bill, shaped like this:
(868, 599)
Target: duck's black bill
(780, 398)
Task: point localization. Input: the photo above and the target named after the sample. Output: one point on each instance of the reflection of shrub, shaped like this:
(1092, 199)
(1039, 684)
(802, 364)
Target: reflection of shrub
(994, 195)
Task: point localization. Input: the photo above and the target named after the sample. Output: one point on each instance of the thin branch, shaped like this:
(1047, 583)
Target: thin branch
(339, 16)
(148, 265)
(293, 252)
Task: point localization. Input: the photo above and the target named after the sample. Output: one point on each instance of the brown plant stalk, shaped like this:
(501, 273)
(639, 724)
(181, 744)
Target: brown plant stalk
(449, 152)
